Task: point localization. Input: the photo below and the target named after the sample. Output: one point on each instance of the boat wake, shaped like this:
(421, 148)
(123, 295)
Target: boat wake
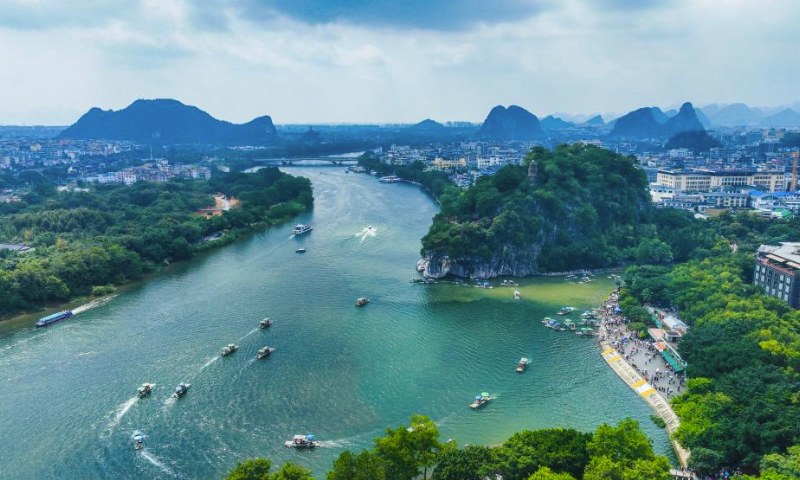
(209, 362)
(93, 304)
(158, 463)
(365, 233)
(342, 443)
(120, 412)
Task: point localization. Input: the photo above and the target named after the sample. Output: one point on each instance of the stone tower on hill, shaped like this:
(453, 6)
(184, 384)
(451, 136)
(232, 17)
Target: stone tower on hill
(532, 170)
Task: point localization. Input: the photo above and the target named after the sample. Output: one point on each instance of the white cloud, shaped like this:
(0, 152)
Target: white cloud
(575, 57)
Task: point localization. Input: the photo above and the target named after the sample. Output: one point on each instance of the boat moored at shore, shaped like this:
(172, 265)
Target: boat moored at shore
(51, 319)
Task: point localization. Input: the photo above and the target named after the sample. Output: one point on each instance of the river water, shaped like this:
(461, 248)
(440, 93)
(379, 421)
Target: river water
(67, 392)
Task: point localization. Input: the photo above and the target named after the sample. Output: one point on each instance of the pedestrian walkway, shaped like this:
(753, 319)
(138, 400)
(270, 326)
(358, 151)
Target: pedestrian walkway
(643, 370)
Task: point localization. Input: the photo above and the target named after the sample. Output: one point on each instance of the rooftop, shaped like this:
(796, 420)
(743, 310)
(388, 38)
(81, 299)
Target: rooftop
(786, 254)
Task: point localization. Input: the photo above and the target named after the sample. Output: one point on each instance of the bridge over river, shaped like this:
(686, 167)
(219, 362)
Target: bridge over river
(306, 160)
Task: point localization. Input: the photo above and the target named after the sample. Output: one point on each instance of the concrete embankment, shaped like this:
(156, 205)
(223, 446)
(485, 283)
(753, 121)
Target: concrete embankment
(650, 395)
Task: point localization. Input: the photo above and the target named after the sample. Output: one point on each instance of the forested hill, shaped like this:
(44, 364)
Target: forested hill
(87, 241)
(580, 207)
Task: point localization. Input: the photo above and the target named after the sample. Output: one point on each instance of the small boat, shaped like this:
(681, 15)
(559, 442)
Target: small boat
(362, 301)
(566, 310)
(585, 332)
(300, 250)
(517, 295)
(554, 324)
(523, 362)
(302, 441)
(510, 283)
(267, 322)
(547, 320)
(570, 324)
(145, 389)
(264, 352)
(480, 400)
(228, 349)
(300, 229)
(181, 390)
(138, 440)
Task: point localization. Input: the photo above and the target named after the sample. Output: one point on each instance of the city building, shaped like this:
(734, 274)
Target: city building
(777, 271)
(707, 179)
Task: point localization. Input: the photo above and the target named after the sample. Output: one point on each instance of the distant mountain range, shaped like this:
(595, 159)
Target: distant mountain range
(428, 126)
(512, 123)
(554, 123)
(166, 121)
(651, 122)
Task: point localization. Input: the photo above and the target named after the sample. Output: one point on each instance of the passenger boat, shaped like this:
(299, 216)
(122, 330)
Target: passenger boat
(228, 349)
(523, 362)
(585, 332)
(138, 440)
(145, 389)
(300, 250)
(181, 390)
(300, 229)
(517, 295)
(51, 319)
(362, 301)
(265, 323)
(480, 400)
(264, 352)
(303, 441)
(390, 179)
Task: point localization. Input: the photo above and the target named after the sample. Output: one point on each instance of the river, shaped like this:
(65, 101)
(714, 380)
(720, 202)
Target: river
(67, 398)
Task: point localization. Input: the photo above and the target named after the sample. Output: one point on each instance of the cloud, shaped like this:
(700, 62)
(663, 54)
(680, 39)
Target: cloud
(35, 14)
(443, 15)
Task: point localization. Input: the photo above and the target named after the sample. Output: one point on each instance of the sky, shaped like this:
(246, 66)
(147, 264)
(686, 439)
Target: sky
(392, 61)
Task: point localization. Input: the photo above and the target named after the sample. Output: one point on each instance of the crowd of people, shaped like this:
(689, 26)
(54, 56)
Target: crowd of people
(641, 354)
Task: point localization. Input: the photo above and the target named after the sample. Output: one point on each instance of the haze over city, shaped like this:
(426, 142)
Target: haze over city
(387, 61)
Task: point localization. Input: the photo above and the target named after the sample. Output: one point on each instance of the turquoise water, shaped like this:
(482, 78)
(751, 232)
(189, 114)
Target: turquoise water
(67, 397)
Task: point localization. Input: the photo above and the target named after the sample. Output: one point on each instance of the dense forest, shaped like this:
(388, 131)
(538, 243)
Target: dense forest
(587, 207)
(86, 241)
(742, 406)
(612, 452)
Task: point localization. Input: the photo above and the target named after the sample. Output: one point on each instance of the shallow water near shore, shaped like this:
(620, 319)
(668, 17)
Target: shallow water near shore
(68, 396)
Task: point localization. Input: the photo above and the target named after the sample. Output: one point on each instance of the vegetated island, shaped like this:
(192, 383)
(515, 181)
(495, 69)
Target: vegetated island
(88, 239)
(576, 207)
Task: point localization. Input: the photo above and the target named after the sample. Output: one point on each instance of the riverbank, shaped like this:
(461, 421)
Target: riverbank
(648, 390)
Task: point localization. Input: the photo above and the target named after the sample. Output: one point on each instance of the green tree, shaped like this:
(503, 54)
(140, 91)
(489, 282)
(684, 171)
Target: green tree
(470, 463)
(364, 466)
(545, 473)
(562, 450)
(255, 469)
(290, 471)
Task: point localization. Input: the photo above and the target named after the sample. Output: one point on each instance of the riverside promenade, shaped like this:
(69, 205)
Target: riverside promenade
(645, 389)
